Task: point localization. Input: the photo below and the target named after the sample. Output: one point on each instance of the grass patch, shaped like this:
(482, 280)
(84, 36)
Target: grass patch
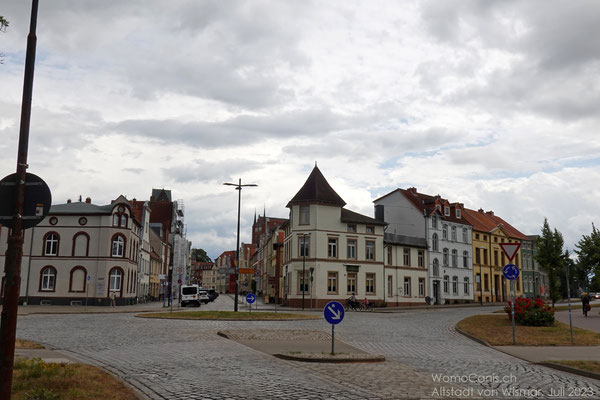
(27, 344)
(497, 331)
(230, 315)
(36, 379)
(592, 366)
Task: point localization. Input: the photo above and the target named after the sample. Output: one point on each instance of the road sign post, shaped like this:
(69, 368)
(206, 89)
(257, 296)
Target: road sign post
(250, 298)
(334, 314)
(511, 272)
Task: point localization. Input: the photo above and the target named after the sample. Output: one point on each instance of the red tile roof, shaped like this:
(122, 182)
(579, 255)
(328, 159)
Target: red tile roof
(488, 221)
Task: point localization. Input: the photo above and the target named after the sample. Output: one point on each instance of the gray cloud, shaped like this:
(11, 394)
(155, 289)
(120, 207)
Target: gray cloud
(207, 171)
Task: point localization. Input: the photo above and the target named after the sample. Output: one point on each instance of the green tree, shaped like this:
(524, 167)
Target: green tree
(200, 255)
(588, 252)
(550, 257)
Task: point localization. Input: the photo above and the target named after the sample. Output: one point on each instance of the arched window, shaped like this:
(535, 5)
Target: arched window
(115, 219)
(446, 283)
(465, 237)
(466, 285)
(465, 259)
(115, 280)
(123, 221)
(445, 232)
(51, 241)
(434, 222)
(455, 258)
(81, 242)
(118, 246)
(436, 267)
(453, 233)
(434, 242)
(445, 259)
(77, 280)
(48, 279)
(455, 284)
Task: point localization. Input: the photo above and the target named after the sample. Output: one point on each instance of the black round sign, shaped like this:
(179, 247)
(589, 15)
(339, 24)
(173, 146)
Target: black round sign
(37, 200)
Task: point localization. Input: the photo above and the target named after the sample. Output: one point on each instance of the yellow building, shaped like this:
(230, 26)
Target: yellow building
(489, 231)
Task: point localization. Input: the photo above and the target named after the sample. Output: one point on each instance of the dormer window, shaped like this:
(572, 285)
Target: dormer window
(457, 213)
(447, 211)
(351, 228)
(438, 207)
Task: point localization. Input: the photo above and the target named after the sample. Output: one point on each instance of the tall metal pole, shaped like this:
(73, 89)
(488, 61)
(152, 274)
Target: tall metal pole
(238, 186)
(237, 247)
(14, 253)
(569, 301)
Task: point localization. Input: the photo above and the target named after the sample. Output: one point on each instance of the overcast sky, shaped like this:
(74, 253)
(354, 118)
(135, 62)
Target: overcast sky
(495, 104)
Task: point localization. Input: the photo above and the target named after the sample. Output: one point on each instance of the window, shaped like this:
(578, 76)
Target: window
(455, 258)
(485, 257)
(51, 244)
(447, 211)
(304, 215)
(465, 235)
(421, 258)
(445, 259)
(77, 280)
(477, 236)
(454, 233)
(485, 237)
(495, 257)
(445, 232)
(115, 219)
(123, 220)
(370, 229)
(466, 285)
(115, 279)
(406, 257)
(434, 242)
(332, 278)
(351, 249)
(446, 283)
(370, 250)
(434, 222)
(332, 247)
(421, 287)
(351, 228)
(118, 246)
(48, 279)
(436, 267)
(304, 242)
(370, 284)
(390, 285)
(389, 255)
(303, 283)
(351, 283)
(406, 286)
(455, 284)
(465, 259)
(477, 257)
(80, 244)
(486, 285)
(457, 213)
(478, 280)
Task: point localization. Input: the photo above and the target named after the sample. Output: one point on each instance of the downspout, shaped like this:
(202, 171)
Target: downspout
(492, 277)
(29, 267)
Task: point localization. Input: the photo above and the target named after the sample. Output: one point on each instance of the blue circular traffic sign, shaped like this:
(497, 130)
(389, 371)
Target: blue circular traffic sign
(511, 272)
(334, 312)
(250, 298)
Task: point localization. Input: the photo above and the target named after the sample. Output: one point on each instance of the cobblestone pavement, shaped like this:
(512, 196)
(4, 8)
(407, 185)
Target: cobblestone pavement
(178, 359)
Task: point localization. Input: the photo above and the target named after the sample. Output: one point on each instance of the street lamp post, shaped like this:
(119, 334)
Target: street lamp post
(238, 187)
(312, 269)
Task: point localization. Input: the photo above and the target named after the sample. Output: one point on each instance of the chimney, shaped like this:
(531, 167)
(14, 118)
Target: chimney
(379, 212)
(88, 200)
(480, 210)
(412, 190)
(68, 201)
(490, 213)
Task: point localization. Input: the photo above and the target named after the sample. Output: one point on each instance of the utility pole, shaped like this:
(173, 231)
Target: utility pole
(14, 253)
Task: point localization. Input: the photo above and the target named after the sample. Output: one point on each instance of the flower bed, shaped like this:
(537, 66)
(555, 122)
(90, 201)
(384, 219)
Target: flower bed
(531, 312)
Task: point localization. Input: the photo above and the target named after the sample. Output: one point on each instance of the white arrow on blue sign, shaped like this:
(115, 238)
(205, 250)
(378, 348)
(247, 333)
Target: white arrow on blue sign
(334, 312)
(511, 272)
(250, 298)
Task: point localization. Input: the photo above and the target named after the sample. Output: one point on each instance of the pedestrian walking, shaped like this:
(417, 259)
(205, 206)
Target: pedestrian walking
(585, 302)
(112, 296)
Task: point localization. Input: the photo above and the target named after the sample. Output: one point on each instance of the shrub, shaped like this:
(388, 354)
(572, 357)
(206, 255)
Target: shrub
(531, 312)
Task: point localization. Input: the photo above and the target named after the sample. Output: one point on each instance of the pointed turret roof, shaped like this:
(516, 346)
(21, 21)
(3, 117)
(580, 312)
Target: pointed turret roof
(316, 190)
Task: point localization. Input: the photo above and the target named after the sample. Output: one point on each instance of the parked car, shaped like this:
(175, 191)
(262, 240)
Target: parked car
(191, 294)
(595, 295)
(203, 296)
(212, 294)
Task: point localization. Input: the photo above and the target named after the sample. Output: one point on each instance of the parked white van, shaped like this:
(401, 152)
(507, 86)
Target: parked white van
(190, 294)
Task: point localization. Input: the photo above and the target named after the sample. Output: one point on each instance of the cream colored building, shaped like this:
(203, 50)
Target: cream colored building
(79, 253)
(343, 250)
(405, 270)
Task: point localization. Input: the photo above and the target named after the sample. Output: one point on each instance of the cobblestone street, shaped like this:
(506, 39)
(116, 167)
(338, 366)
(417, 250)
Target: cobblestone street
(177, 359)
